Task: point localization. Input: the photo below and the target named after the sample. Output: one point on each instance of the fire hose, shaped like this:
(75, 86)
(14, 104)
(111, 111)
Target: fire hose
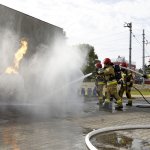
(142, 106)
(132, 71)
(108, 129)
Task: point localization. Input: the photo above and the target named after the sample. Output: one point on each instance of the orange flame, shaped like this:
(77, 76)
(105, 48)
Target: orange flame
(9, 138)
(18, 56)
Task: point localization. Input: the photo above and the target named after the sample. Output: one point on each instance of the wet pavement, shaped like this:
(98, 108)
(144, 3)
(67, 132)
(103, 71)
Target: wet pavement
(115, 141)
(23, 131)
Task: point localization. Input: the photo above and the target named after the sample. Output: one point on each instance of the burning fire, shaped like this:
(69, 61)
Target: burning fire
(18, 56)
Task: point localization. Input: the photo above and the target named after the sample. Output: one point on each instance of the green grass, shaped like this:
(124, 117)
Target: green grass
(144, 92)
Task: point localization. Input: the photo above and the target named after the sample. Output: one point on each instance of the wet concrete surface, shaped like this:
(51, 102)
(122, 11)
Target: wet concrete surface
(25, 131)
(115, 141)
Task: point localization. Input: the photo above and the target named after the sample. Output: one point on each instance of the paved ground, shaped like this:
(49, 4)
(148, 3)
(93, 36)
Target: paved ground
(20, 131)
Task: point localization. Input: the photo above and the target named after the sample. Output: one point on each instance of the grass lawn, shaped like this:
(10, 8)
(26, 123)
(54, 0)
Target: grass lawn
(144, 92)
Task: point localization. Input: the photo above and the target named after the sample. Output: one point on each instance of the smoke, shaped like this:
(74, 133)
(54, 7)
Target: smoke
(8, 44)
(45, 80)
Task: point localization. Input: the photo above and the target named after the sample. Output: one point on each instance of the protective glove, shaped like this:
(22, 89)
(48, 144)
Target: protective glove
(120, 81)
(100, 71)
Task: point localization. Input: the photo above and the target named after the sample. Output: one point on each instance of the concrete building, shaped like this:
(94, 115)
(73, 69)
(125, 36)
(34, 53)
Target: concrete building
(41, 37)
(120, 59)
(36, 31)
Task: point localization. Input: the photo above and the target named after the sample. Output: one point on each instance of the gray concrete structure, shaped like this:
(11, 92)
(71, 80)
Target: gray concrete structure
(41, 37)
(36, 31)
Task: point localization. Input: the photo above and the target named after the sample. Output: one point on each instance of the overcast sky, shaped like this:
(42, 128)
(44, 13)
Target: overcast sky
(99, 23)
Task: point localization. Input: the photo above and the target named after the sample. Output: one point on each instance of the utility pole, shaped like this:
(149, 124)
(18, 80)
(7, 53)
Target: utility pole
(129, 25)
(143, 54)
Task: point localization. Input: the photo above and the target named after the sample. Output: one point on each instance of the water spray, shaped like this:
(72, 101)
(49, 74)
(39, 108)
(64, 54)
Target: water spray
(68, 84)
(81, 78)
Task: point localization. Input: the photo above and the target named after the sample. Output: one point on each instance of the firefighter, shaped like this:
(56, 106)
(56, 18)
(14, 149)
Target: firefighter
(126, 82)
(99, 82)
(111, 84)
(146, 76)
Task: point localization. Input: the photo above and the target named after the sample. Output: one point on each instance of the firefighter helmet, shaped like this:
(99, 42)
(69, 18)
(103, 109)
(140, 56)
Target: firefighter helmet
(98, 65)
(107, 61)
(123, 64)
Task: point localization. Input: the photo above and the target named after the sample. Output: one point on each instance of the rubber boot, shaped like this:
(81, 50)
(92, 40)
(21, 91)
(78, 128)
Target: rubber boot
(119, 107)
(106, 104)
(129, 103)
(100, 101)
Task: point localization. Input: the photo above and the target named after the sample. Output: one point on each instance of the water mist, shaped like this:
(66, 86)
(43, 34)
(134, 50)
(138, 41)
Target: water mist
(48, 82)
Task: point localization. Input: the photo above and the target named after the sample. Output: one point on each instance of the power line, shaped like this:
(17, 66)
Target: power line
(141, 44)
(136, 39)
(147, 31)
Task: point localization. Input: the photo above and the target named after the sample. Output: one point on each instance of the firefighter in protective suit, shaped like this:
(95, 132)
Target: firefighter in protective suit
(126, 82)
(99, 82)
(111, 84)
(146, 76)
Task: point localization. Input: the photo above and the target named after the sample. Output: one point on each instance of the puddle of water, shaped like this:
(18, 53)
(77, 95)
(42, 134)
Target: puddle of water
(115, 141)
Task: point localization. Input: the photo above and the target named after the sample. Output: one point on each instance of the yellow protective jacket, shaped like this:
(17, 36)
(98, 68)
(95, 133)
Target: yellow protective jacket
(100, 79)
(148, 76)
(109, 74)
(127, 78)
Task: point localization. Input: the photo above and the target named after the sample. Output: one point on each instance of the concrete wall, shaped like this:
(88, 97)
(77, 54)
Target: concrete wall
(41, 37)
(36, 31)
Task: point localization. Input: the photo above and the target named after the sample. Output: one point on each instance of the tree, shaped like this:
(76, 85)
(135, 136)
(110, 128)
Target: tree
(147, 69)
(90, 58)
(140, 70)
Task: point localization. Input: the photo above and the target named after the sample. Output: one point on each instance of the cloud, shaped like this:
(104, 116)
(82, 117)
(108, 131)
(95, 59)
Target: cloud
(97, 22)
